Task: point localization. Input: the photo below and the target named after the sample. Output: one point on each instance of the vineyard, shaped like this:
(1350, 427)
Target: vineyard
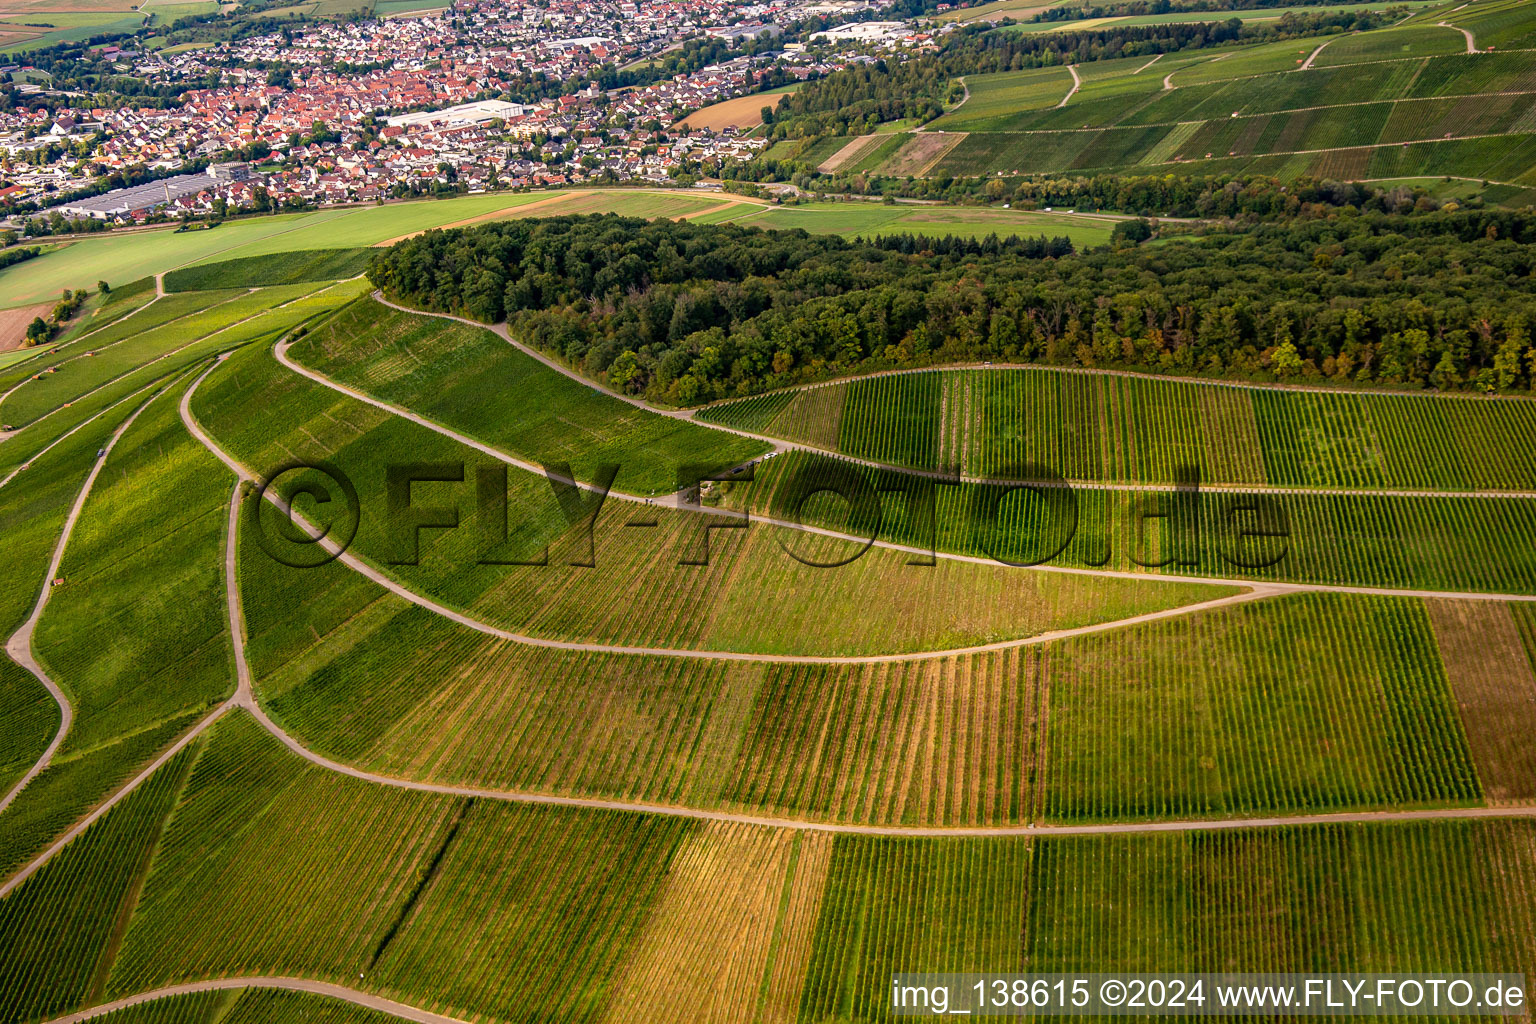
(1330, 539)
(247, 1006)
(1124, 429)
(671, 584)
(469, 379)
(1254, 109)
(1115, 726)
(136, 630)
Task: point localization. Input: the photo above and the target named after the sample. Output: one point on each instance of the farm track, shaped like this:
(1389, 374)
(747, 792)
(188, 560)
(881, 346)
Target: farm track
(244, 698)
(1077, 83)
(781, 444)
(318, 988)
(1307, 64)
(19, 647)
(1471, 42)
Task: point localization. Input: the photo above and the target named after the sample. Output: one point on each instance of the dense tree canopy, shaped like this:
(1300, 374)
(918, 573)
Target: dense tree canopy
(686, 313)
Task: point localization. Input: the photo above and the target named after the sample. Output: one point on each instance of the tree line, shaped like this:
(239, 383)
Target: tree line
(685, 313)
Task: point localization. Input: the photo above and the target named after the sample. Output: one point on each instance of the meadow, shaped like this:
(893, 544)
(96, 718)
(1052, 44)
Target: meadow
(118, 257)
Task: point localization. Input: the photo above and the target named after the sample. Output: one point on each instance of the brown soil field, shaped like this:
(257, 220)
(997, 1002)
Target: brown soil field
(742, 112)
(13, 324)
(925, 150)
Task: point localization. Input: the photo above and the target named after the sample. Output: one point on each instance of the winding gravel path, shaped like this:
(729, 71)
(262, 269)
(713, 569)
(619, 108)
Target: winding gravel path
(1077, 83)
(1471, 42)
(319, 988)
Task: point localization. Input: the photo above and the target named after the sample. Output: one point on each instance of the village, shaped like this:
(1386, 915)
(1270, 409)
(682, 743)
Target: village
(367, 110)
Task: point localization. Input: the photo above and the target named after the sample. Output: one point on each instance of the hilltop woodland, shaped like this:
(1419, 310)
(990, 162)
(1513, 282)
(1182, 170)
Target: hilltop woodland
(686, 313)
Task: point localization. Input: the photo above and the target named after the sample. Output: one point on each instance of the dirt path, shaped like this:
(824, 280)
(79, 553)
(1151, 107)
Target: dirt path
(1077, 83)
(1313, 55)
(1148, 64)
(1471, 42)
(19, 646)
(319, 988)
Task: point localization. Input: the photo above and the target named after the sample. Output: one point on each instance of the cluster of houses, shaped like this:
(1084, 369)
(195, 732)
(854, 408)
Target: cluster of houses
(370, 109)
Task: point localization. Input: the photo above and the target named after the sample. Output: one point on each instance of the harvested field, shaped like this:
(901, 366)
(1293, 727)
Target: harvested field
(13, 324)
(740, 112)
(851, 153)
(1491, 678)
(922, 152)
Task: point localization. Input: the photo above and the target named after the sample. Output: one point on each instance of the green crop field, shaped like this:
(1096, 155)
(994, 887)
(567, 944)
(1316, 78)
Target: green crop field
(1126, 429)
(1160, 603)
(1337, 538)
(640, 589)
(1347, 115)
(471, 905)
(265, 271)
(469, 379)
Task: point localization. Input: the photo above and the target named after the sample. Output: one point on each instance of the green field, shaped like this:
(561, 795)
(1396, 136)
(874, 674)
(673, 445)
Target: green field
(471, 380)
(1447, 543)
(1252, 109)
(524, 913)
(1126, 429)
(118, 257)
(640, 589)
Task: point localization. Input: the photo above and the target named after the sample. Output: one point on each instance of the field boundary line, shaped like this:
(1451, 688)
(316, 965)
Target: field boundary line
(305, 985)
(175, 351)
(1252, 590)
(19, 649)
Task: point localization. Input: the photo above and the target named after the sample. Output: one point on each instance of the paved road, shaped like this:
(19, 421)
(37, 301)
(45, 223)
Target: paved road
(319, 988)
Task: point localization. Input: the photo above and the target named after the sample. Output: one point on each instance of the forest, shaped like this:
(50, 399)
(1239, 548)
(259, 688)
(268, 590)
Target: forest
(686, 313)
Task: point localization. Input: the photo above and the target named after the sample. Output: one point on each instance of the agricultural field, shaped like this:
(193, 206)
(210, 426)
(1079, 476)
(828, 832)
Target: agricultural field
(467, 904)
(1437, 542)
(364, 665)
(642, 587)
(1411, 100)
(1109, 428)
(121, 257)
(740, 112)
